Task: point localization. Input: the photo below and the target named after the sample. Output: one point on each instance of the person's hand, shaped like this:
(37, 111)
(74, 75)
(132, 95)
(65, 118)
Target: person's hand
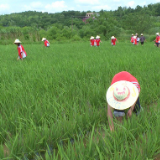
(111, 128)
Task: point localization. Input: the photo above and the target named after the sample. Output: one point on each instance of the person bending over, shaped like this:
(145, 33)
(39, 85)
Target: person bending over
(122, 97)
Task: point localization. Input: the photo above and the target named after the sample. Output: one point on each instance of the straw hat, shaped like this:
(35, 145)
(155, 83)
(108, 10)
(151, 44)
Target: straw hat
(92, 37)
(134, 37)
(122, 95)
(157, 33)
(141, 34)
(17, 41)
(112, 37)
(43, 39)
(98, 37)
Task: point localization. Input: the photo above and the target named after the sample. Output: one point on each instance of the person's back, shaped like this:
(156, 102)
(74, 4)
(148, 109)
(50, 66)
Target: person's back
(142, 38)
(46, 43)
(113, 41)
(98, 41)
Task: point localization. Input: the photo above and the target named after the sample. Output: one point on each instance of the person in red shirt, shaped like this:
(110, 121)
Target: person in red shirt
(123, 97)
(98, 41)
(92, 41)
(21, 51)
(132, 39)
(113, 40)
(46, 42)
(157, 40)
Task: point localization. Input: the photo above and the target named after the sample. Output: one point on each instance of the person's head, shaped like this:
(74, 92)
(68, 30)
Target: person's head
(141, 34)
(122, 95)
(92, 37)
(97, 37)
(17, 42)
(43, 39)
(112, 37)
(134, 37)
(157, 33)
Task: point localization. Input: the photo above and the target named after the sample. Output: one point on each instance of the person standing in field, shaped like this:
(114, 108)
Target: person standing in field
(98, 41)
(113, 40)
(138, 39)
(46, 42)
(157, 40)
(92, 41)
(95, 42)
(21, 51)
(142, 39)
(123, 97)
(132, 39)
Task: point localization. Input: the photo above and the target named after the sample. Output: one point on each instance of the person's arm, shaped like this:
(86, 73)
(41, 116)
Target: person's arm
(129, 113)
(110, 118)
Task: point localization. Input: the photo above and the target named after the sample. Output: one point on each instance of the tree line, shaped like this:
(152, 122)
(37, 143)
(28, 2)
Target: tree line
(32, 25)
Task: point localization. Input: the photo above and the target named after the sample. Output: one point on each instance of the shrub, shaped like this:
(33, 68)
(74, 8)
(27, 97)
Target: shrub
(76, 38)
(151, 38)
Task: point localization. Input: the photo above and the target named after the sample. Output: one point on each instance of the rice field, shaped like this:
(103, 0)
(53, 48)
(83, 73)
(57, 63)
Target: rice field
(53, 103)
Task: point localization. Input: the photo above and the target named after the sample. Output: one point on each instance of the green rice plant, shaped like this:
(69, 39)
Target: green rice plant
(56, 97)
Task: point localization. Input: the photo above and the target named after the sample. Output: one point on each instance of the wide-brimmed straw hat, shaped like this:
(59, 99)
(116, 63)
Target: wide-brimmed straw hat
(97, 36)
(17, 41)
(134, 37)
(112, 37)
(92, 37)
(122, 95)
(43, 39)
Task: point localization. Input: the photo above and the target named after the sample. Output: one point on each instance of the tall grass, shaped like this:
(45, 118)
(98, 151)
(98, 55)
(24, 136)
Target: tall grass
(53, 102)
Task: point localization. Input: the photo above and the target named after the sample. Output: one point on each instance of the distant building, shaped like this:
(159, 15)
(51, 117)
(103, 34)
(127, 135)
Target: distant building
(88, 15)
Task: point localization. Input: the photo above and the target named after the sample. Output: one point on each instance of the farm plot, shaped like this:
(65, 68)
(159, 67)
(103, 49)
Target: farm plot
(53, 102)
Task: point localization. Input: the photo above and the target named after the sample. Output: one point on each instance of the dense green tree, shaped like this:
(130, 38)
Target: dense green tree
(52, 32)
(157, 9)
(137, 22)
(32, 25)
(106, 24)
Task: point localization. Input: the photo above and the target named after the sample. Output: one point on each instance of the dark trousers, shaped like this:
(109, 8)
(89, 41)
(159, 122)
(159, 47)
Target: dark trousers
(137, 107)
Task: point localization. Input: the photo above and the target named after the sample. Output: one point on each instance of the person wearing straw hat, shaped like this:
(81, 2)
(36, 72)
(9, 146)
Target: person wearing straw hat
(98, 40)
(113, 40)
(142, 39)
(157, 40)
(123, 97)
(132, 39)
(138, 39)
(46, 42)
(92, 41)
(21, 51)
